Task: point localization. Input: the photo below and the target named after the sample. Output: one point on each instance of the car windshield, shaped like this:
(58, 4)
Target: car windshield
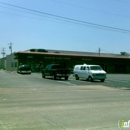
(25, 67)
(56, 66)
(95, 68)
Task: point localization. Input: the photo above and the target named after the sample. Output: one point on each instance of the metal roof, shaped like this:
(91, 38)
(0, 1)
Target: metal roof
(75, 54)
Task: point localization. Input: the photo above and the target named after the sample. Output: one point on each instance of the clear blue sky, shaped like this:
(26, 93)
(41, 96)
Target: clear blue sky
(30, 29)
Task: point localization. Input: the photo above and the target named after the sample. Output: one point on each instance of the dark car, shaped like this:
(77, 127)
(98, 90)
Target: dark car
(24, 69)
(56, 71)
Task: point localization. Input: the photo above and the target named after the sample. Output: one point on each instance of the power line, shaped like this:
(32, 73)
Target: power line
(71, 20)
(82, 7)
(100, 11)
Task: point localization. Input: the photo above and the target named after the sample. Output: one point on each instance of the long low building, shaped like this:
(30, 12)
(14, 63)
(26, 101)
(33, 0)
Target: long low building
(39, 58)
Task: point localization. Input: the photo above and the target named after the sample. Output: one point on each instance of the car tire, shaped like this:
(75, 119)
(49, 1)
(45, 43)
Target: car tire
(54, 77)
(102, 80)
(90, 79)
(66, 78)
(43, 76)
(76, 77)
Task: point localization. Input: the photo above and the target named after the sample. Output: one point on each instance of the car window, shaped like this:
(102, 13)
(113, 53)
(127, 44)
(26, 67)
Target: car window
(95, 68)
(56, 67)
(84, 68)
(81, 68)
(48, 67)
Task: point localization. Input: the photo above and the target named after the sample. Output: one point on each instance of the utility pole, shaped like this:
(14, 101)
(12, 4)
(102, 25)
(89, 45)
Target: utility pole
(10, 47)
(99, 51)
(3, 52)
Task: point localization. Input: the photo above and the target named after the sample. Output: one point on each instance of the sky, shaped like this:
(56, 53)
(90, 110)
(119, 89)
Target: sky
(73, 25)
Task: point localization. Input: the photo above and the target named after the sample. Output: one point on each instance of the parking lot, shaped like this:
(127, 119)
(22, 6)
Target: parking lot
(29, 102)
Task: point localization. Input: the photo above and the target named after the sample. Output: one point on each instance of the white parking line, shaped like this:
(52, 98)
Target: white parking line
(118, 81)
(67, 83)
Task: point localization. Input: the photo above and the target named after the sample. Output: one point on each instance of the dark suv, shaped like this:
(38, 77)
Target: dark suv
(24, 69)
(56, 71)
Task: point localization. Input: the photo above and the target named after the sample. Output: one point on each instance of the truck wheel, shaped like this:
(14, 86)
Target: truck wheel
(54, 77)
(90, 79)
(43, 76)
(102, 80)
(66, 78)
(76, 77)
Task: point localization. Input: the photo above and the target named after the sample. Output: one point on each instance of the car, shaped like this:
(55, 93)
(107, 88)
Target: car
(56, 71)
(90, 72)
(24, 69)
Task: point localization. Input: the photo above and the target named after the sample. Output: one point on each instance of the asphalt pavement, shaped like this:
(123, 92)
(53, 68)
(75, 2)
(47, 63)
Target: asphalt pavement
(29, 102)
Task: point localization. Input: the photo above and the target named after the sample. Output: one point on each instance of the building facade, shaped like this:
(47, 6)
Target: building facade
(39, 59)
(9, 63)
